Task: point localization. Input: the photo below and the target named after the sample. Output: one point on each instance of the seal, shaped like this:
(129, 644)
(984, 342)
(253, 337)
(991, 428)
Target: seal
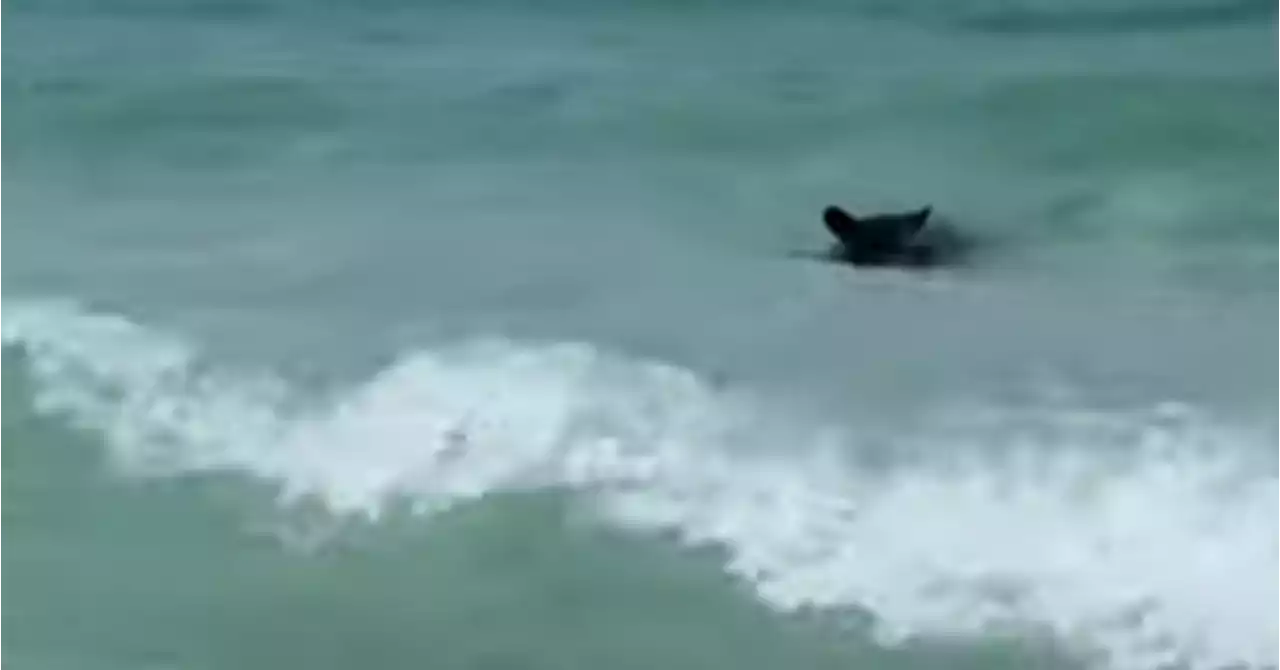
(902, 239)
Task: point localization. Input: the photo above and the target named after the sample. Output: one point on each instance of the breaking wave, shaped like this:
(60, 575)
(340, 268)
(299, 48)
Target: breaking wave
(1145, 539)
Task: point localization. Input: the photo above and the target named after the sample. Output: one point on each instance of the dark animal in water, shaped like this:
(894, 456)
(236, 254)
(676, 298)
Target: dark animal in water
(890, 239)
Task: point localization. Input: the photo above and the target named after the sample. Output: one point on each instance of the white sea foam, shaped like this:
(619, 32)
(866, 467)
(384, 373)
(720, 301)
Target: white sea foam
(1145, 538)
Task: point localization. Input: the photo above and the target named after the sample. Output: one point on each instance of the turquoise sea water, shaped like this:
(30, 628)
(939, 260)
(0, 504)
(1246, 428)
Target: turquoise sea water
(472, 335)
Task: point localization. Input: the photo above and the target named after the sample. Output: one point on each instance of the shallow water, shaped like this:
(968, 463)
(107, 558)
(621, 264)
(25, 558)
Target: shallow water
(470, 335)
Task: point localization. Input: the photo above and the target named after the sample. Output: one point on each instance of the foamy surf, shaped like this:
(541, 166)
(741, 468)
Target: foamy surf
(1146, 539)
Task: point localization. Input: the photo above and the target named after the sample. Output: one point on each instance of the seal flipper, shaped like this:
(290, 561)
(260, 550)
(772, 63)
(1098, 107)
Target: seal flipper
(917, 219)
(841, 224)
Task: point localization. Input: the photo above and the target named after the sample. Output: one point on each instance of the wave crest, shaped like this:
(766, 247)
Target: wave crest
(1164, 554)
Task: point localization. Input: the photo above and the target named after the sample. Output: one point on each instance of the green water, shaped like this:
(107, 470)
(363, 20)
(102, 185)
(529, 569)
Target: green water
(473, 335)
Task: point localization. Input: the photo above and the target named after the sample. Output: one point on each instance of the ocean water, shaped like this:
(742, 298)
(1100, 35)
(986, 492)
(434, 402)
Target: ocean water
(473, 335)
